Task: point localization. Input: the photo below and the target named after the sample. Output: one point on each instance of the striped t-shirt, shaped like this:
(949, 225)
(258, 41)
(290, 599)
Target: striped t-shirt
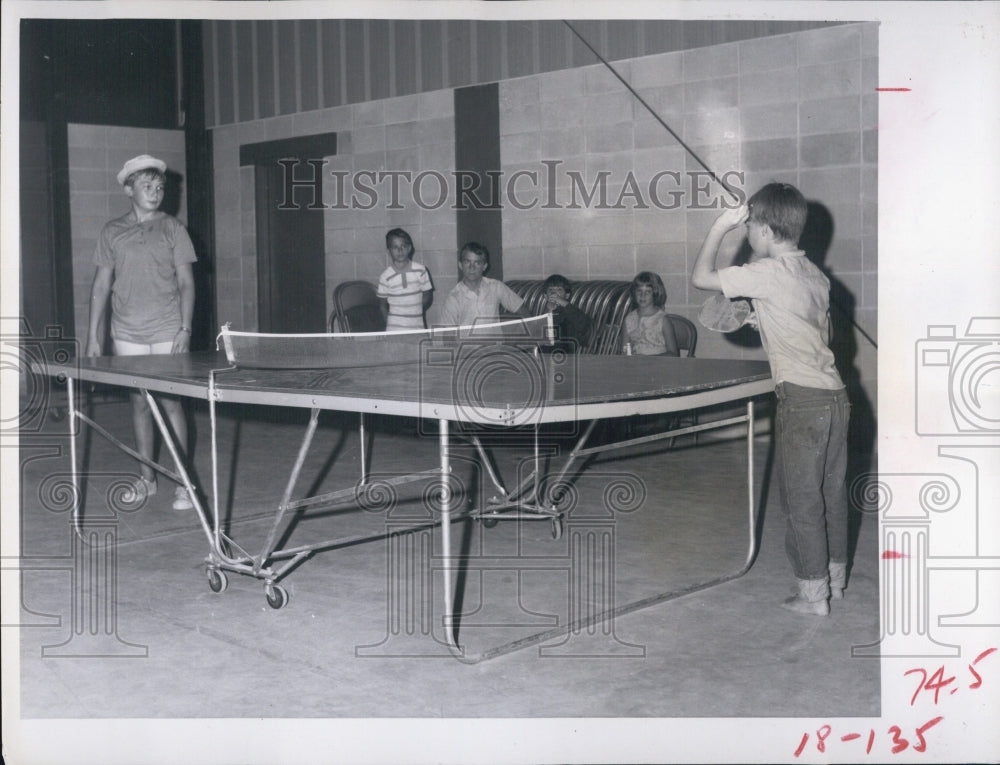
(405, 292)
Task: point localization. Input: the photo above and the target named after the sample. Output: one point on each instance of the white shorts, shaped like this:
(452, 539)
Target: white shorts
(125, 348)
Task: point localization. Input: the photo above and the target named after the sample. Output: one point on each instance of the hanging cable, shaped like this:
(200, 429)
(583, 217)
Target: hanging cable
(656, 116)
(693, 154)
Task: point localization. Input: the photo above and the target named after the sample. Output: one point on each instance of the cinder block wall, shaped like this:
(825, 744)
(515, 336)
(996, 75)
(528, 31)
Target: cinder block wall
(413, 133)
(798, 107)
(96, 154)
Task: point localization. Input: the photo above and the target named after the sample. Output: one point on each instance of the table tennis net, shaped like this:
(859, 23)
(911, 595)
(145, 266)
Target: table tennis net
(364, 349)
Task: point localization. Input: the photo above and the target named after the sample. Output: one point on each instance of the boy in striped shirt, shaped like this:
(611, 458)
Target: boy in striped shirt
(404, 288)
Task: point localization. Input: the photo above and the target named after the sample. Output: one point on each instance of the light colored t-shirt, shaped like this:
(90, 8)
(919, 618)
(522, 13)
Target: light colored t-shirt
(792, 299)
(463, 306)
(405, 292)
(646, 333)
(145, 298)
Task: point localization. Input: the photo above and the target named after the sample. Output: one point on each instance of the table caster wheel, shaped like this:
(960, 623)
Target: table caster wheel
(557, 527)
(217, 579)
(489, 522)
(276, 595)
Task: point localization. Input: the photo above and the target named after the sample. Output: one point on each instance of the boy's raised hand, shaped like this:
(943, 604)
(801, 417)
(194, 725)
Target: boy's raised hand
(733, 217)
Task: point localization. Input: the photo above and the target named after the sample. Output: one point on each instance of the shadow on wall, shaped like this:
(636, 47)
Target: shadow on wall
(746, 336)
(203, 334)
(815, 242)
(171, 203)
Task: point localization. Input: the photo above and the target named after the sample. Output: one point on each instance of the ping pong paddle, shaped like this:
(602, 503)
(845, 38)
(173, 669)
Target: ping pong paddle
(720, 314)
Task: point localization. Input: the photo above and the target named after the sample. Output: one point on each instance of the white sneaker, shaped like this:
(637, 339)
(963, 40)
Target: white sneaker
(181, 499)
(142, 489)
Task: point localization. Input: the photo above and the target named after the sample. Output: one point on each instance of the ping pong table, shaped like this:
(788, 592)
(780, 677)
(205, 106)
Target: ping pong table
(461, 388)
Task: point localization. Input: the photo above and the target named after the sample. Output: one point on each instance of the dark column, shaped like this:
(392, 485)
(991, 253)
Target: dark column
(199, 185)
(477, 152)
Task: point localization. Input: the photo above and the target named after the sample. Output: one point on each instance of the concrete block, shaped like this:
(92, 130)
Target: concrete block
(769, 121)
(776, 86)
(830, 149)
(602, 139)
(832, 184)
(712, 61)
(767, 53)
(712, 94)
(840, 114)
(565, 84)
(820, 46)
(658, 69)
(840, 78)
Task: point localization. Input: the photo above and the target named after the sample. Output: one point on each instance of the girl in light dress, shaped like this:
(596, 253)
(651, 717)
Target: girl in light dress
(648, 331)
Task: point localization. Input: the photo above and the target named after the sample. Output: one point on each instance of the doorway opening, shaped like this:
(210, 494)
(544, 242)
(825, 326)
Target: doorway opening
(291, 257)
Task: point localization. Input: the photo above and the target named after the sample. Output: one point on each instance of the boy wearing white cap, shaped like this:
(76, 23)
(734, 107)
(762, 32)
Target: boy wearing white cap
(143, 263)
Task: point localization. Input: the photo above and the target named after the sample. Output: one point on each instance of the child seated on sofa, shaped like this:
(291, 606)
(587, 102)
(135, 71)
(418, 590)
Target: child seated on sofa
(648, 331)
(572, 326)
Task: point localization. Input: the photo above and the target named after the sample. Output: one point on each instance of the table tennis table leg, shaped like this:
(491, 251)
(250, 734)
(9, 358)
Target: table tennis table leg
(76, 417)
(446, 500)
(580, 450)
(752, 542)
(575, 453)
(182, 473)
(588, 620)
(74, 472)
(524, 497)
(286, 498)
(487, 464)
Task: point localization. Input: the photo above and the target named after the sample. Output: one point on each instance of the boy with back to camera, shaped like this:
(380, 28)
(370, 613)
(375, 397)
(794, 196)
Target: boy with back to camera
(143, 262)
(791, 298)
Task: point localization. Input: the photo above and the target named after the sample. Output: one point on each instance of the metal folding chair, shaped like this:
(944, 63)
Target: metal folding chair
(686, 332)
(356, 308)
(687, 339)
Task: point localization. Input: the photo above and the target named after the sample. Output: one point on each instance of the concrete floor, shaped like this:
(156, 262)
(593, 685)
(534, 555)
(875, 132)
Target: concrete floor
(177, 649)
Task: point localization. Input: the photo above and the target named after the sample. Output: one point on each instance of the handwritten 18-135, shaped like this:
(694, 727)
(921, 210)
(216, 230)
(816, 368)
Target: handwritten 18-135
(934, 686)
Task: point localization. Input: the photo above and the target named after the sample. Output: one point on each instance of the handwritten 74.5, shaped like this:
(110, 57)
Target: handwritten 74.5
(930, 682)
(937, 681)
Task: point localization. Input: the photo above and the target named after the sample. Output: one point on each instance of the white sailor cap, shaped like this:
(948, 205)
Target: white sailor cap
(142, 162)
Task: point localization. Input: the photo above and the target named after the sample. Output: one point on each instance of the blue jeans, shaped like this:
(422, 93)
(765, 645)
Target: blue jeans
(811, 467)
